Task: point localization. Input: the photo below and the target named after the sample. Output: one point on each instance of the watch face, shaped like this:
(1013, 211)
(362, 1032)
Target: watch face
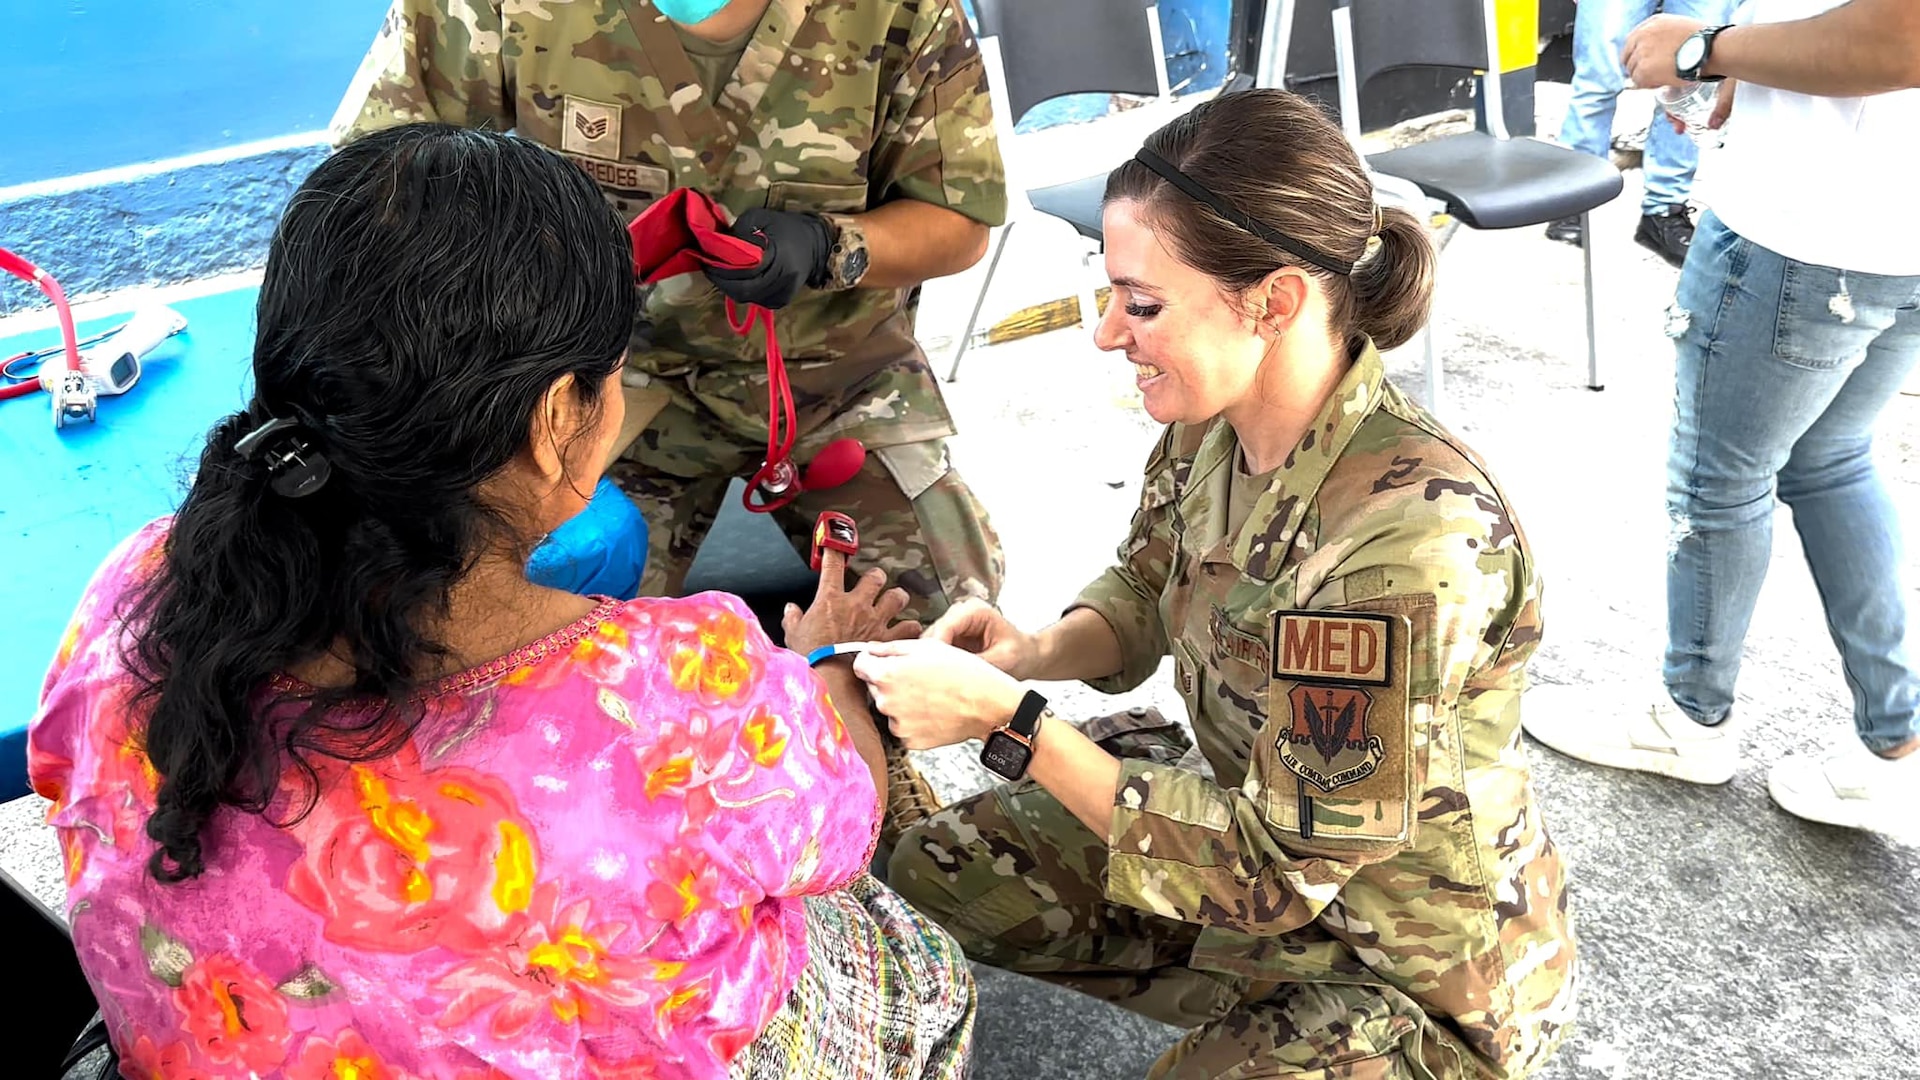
(1691, 52)
(856, 267)
(1005, 756)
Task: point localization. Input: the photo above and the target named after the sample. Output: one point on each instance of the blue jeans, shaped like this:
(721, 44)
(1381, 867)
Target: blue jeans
(1600, 29)
(1782, 369)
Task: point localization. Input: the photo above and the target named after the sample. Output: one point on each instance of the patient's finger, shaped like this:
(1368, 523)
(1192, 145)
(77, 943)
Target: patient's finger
(833, 575)
(868, 587)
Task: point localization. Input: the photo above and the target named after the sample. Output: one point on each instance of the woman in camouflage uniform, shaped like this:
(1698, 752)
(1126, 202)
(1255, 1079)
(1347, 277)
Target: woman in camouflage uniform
(1348, 875)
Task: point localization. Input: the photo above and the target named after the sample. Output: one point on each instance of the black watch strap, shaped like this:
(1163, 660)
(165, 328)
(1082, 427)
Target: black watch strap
(1707, 34)
(1026, 718)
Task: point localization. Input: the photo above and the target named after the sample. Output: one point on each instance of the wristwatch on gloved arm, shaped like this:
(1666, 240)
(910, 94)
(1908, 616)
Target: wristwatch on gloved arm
(848, 258)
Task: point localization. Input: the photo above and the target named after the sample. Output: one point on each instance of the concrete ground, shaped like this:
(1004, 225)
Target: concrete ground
(1719, 936)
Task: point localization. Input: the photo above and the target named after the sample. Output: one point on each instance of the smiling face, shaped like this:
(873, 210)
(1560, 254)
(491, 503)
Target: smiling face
(1196, 354)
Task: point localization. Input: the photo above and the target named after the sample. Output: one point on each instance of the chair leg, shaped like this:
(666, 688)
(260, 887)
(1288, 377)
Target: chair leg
(1594, 382)
(1436, 372)
(973, 319)
(1089, 292)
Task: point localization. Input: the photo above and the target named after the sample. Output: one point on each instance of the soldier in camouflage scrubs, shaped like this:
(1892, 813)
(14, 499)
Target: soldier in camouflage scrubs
(871, 114)
(1344, 872)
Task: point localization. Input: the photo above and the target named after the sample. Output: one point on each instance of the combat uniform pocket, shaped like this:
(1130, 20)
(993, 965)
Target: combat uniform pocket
(1143, 733)
(594, 136)
(1188, 678)
(821, 198)
(915, 466)
(1158, 492)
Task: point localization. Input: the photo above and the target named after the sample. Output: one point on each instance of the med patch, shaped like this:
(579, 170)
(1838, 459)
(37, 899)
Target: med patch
(1337, 755)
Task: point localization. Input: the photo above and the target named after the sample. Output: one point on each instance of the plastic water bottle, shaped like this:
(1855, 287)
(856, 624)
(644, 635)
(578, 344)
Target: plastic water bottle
(1692, 105)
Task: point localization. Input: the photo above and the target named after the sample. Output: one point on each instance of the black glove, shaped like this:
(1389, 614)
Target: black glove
(797, 246)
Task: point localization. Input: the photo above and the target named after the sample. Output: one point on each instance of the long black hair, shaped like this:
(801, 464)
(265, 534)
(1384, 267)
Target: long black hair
(425, 288)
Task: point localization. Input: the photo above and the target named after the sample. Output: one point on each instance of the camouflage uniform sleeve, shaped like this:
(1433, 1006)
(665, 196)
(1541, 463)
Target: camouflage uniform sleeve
(1128, 594)
(937, 143)
(1183, 847)
(434, 60)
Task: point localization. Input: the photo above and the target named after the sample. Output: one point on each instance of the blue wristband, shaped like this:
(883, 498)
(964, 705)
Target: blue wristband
(828, 652)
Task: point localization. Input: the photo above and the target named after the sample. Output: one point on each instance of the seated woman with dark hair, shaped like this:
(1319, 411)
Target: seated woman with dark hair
(343, 794)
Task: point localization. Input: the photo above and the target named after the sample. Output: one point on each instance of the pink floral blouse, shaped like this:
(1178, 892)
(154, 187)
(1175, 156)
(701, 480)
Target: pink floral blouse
(587, 863)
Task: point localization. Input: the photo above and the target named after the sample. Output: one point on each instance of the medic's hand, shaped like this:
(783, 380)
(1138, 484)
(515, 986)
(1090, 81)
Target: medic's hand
(933, 694)
(797, 246)
(977, 627)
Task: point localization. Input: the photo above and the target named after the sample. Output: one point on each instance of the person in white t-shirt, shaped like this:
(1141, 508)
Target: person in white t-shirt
(1797, 320)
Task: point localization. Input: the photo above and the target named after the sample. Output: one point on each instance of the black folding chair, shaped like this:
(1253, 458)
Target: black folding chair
(1038, 50)
(1483, 178)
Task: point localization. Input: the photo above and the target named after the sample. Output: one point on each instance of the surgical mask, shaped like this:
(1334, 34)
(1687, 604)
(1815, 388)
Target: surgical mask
(688, 12)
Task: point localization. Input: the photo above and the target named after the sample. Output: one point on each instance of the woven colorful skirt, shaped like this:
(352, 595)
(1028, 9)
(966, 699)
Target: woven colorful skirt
(885, 995)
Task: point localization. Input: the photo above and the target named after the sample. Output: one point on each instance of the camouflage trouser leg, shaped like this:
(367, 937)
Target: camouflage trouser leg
(918, 520)
(1017, 880)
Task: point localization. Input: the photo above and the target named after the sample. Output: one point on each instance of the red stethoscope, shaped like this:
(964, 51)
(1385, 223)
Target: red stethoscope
(74, 397)
(683, 233)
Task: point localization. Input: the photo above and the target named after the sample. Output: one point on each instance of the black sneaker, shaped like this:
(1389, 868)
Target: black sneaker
(1566, 230)
(1666, 234)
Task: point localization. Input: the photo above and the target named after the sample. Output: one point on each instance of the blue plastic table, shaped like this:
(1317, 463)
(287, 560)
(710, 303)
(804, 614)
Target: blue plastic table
(67, 497)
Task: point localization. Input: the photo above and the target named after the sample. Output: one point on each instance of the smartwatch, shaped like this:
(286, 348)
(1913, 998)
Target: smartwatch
(1009, 749)
(847, 262)
(1692, 56)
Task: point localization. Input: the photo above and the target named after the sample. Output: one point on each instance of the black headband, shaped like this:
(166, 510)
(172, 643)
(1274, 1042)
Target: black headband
(1271, 235)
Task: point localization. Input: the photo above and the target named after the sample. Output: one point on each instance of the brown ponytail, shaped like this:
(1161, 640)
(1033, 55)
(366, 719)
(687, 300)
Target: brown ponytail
(1393, 284)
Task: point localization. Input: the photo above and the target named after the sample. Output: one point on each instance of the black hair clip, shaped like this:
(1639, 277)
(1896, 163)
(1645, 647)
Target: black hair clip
(294, 467)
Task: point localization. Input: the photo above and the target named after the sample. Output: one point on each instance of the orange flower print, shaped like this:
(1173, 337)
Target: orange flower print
(75, 856)
(122, 774)
(727, 1044)
(709, 658)
(233, 1016)
(398, 859)
(606, 655)
(684, 883)
(834, 746)
(683, 761)
(636, 1069)
(764, 737)
(346, 1057)
(148, 1060)
(48, 774)
(70, 641)
(687, 1001)
(566, 966)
